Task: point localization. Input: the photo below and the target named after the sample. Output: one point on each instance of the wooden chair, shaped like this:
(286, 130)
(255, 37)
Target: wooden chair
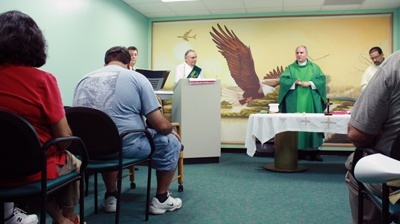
(180, 175)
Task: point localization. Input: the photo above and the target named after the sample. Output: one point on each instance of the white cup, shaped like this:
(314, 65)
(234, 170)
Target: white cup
(273, 107)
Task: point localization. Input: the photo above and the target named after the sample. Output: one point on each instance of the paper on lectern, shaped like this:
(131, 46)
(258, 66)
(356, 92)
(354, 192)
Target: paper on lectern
(377, 168)
(193, 81)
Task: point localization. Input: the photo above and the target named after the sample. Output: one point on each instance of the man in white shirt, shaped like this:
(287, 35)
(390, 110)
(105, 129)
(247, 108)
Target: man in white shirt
(377, 58)
(189, 68)
(134, 52)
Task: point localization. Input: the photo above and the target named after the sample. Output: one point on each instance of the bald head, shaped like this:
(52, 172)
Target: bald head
(301, 54)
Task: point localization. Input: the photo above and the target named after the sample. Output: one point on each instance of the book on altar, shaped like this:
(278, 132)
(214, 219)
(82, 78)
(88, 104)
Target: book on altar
(193, 81)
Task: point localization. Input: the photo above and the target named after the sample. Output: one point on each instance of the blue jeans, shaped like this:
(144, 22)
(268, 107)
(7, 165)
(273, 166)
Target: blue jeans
(165, 156)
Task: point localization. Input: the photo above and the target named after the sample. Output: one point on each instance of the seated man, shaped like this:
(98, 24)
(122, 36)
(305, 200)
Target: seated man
(375, 123)
(127, 96)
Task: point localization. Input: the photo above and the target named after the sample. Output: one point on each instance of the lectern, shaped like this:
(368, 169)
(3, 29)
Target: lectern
(197, 108)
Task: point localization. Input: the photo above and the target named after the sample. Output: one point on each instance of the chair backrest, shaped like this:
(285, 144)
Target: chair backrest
(21, 153)
(395, 150)
(96, 129)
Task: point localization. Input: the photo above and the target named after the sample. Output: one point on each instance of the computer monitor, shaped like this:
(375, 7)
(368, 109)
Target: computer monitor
(156, 78)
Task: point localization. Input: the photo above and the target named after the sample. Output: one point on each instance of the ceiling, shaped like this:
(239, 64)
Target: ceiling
(157, 8)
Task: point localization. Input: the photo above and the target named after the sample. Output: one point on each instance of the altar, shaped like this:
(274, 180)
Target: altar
(284, 127)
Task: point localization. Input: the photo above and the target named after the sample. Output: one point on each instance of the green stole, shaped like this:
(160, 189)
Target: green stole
(194, 73)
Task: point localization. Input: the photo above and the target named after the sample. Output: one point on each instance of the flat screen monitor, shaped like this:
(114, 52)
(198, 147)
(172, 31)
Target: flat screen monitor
(156, 78)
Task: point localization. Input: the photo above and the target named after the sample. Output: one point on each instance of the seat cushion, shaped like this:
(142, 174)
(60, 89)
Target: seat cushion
(35, 188)
(108, 165)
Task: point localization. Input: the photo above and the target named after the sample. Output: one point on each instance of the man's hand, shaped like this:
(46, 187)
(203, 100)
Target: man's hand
(176, 134)
(299, 83)
(305, 84)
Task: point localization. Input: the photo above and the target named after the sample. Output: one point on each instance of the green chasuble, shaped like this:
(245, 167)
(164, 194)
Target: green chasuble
(194, 73)
(303, 99)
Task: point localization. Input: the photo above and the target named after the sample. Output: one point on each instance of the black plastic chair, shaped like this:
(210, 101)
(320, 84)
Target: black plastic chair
(101, 137)
(22, 155)
(390, 212)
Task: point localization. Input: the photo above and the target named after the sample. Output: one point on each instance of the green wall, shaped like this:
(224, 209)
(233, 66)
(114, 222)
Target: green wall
(78, 33)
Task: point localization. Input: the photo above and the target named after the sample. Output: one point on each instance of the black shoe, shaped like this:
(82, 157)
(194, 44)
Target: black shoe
(315, 156)
(301, 155)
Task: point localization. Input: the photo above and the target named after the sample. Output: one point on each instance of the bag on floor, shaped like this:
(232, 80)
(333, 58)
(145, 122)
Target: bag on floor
(265, 150)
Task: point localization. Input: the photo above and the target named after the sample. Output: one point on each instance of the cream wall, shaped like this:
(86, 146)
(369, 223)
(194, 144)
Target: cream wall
(78, 33)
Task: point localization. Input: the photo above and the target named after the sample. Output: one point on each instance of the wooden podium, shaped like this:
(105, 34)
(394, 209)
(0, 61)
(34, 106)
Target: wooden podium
(197, 109)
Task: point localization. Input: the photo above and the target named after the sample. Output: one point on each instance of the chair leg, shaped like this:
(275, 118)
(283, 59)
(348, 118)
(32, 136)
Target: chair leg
(87, 183)
(2, 209)
(385, 204)
(96, 210)
(82, 198)
(43, 212)
(180, 172)
(119, 187)
(132, 176)
(148, 191)
(360, 212)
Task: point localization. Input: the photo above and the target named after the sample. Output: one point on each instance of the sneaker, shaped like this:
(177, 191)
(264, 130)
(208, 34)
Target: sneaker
(171, 204)
(110, 204)
(20, 217)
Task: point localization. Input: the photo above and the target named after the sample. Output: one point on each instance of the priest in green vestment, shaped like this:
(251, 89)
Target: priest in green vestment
(303, 90)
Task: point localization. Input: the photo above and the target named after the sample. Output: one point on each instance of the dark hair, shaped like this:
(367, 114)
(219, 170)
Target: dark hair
(133, 48)
(378, 49)
(21, 40)
(117, 53)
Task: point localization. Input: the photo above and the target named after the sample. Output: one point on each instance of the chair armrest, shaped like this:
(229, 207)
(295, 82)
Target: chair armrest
(361, 152)
(77, 147)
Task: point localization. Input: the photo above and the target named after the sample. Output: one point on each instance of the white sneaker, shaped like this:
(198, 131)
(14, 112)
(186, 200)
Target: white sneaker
(171, 204)
(110, 204)
(20, 217)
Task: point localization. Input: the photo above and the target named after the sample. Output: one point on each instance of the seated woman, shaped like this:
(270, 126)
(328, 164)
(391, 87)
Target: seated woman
(34, 95)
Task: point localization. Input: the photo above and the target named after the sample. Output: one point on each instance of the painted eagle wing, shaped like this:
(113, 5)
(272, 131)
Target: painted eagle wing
(239, 58)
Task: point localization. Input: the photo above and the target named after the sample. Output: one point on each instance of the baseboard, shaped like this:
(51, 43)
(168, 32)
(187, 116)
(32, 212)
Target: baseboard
(340, 152)
(200, 160)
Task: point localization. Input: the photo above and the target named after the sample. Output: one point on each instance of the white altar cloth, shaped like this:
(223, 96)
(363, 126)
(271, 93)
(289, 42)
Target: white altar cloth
(265, 126)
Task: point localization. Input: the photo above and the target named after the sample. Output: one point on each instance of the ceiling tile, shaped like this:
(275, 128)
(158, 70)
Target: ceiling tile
(340, 7)
(265, 10)
(224, 4)
(228, 11)
(288, 3)
(262, 4)
(156, 8)
(184, 6)
(301, 8)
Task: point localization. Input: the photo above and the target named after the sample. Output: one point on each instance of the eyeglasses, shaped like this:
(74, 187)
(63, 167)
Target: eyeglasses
(376, 57)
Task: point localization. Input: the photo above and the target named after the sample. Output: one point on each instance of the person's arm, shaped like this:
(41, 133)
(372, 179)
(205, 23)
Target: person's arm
(159, 122)
(61, 129)
(178, 73)
(359, 138)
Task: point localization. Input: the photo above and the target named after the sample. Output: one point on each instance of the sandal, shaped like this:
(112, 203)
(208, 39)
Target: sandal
(76, 220)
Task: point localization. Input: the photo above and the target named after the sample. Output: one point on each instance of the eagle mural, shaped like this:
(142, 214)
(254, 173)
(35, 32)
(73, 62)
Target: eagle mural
(241, 66)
